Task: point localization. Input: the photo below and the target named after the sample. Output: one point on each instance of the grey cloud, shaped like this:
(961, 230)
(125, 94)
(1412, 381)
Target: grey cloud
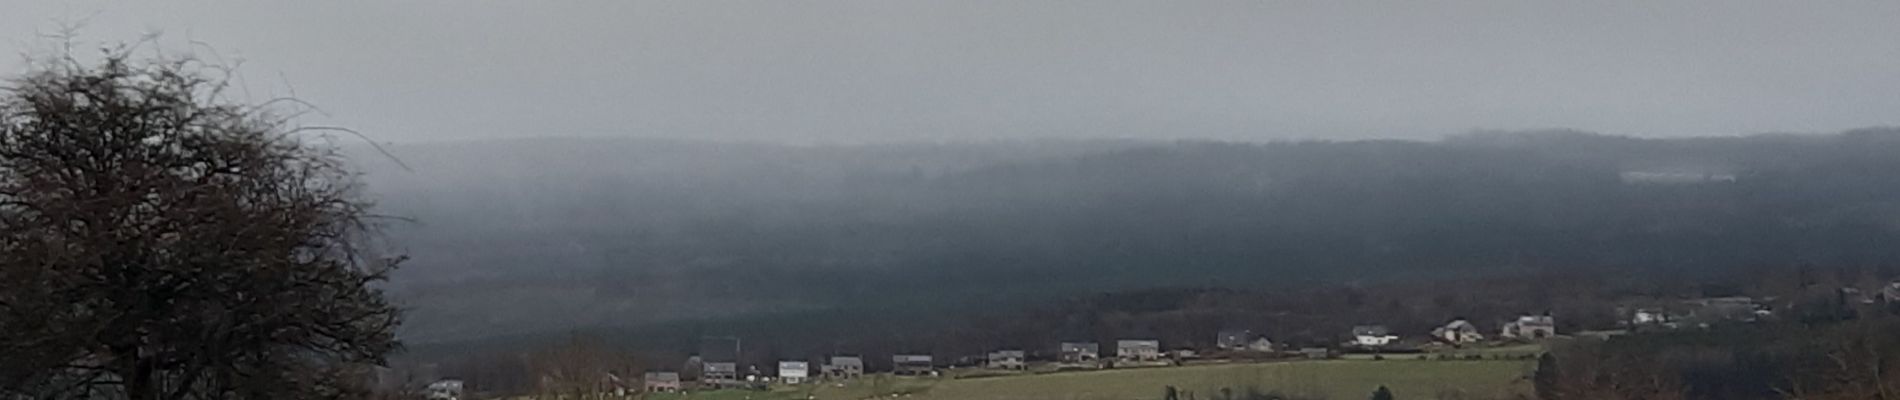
(897, 70)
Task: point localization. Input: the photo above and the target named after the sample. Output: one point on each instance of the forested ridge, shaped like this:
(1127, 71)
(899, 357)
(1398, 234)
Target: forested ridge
(516, 237)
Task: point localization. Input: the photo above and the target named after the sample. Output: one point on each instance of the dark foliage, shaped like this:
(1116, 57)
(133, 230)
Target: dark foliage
(158, 242)
(1544, 379)
(1853, 359)
(1382, 393)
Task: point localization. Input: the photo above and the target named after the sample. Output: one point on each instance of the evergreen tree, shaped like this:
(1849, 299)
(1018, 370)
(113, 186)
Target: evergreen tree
(1382, 394)
(1545, 379)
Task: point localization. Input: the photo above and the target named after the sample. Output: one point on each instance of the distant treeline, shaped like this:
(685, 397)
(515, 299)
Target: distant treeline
(1829, 350)
(538, 236)
(1807, 302)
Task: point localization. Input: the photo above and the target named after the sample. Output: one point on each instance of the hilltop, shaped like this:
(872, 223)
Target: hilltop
(524, 236)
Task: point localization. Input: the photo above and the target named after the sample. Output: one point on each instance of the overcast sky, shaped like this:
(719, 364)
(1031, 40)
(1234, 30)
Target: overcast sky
(838, 71)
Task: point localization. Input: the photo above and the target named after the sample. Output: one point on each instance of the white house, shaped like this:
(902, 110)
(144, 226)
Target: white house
(1530, 327)
(1260, 344)
(719, 374)
(1458, 331)
(446, 389)
(1079, 352)
(794, 372)
(1650, 316)
(1242, 340)
(1007, 359)
(1138, 350)
(844, 367)
(1372, 336)
(661, 382)
(913, 364)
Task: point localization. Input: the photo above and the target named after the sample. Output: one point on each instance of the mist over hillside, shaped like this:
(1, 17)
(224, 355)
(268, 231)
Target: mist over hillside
(544, 235)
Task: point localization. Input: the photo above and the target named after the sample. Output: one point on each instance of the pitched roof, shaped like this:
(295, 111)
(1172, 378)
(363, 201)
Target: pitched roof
(1370, 330)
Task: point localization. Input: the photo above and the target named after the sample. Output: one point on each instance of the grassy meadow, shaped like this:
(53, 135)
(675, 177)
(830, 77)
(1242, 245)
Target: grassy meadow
(1332, 379)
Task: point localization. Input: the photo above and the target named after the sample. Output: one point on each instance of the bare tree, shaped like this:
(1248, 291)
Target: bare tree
(160, 241)
(581, 368)
(1581, 370)
(1856, 361)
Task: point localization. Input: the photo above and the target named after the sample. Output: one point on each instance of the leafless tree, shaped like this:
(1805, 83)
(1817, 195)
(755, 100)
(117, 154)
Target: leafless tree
(1857, 361)
(159, 240)
(1588, 373)
(581, 368)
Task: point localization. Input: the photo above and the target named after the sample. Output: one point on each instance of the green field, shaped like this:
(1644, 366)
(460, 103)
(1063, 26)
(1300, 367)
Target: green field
(1335, 379)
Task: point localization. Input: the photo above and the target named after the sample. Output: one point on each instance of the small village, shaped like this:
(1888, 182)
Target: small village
(1235, 345)
(715, 367)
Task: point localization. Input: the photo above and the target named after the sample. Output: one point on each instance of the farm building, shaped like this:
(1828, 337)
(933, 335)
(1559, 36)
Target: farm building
(844, 367)
(1233, 339)
(446, 389)
(1372, 336)
(1458, 331)
(1260, 344)
(1138, 350)
(1079, 352)
(1183, 354)
(719, 374)
(661, 382)
(1650, 316)
(1530, 327)
(719, 356)
(1316, 353)
(913, 364)
(794, 372)
(1007, 359)
(1242, 340)
(612, 384)
(1703, 312)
